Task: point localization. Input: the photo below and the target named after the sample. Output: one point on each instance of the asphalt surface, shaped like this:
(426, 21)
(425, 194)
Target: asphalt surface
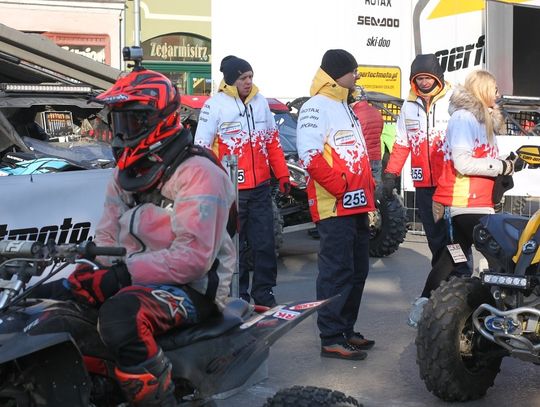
(389, 375)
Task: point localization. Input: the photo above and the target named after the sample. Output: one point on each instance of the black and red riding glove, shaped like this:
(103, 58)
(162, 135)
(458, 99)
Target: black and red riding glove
(93, 287)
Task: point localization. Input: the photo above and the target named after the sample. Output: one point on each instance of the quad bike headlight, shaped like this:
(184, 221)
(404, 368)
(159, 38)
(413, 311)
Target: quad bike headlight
(505, 280)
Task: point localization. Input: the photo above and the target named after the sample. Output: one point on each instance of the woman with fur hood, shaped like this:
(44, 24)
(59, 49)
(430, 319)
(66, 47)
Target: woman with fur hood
(465, 188)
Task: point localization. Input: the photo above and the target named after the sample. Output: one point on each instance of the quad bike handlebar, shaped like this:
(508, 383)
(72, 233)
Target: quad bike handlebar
(21, 260)
(51, 251)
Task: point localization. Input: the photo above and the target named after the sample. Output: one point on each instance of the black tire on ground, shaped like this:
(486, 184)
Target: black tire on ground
(309, 396)
(388, 227)
(385, 157)
(456, 362)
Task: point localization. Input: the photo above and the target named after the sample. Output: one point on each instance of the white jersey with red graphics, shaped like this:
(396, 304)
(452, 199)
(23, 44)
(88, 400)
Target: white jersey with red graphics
(473, 186)
(333, 151)
(247, 129)
(421, 133)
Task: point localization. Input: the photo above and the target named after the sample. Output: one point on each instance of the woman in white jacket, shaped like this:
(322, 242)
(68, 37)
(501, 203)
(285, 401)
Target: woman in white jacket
(470, 168)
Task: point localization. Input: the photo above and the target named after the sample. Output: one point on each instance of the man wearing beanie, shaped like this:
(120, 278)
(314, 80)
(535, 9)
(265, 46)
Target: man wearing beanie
(341, 193)
(421, 130)
(237, 120)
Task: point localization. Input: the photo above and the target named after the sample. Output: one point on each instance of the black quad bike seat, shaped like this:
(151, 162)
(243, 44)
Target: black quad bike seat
(232, 316)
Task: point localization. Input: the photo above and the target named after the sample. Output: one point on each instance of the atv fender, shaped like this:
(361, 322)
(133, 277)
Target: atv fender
(17, 345)
(51, 363)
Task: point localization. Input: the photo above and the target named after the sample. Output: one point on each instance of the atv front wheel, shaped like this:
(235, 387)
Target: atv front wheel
(456, 362)
(309, 396)
(387, 227)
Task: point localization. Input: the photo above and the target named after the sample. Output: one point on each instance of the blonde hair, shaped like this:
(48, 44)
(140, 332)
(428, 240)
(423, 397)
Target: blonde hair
(483, 86)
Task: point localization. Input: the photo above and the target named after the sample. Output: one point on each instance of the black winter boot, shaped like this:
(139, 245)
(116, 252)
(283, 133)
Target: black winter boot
(148, 384)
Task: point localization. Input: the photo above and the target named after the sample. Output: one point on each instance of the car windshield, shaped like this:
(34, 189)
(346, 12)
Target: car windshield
(286, 124)
(92, 154)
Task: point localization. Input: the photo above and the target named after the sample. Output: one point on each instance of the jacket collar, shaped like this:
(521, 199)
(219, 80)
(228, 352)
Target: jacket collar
(323, 84)
(232, 91)
(413, 96)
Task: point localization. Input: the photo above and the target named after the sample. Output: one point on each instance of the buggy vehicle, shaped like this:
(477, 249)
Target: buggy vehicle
(42, 121)
(44, 102)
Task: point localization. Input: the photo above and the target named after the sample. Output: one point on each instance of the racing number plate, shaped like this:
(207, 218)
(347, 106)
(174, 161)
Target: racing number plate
(354, 199)
(241, 177)
(417, 174)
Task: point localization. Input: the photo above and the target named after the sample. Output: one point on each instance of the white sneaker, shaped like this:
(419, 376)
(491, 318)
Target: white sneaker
(416, 311)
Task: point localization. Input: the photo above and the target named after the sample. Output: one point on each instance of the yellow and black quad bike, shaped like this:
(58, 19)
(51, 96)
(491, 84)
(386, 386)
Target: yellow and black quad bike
(470, 324)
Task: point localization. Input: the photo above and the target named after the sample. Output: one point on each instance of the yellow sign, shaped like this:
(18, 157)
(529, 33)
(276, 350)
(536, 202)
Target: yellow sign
(384, 79)
(453, 7)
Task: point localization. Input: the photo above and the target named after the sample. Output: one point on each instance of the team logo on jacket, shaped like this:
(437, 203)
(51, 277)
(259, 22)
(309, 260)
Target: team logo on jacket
(344, 138)
(230, 128)
(413, 126)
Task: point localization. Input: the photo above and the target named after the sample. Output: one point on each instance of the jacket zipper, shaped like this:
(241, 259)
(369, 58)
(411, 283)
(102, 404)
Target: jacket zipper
(250, 143)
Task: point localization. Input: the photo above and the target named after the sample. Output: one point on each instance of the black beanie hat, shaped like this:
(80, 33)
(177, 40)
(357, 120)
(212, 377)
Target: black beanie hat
(232, 67)
(427, 64)
(338, 62)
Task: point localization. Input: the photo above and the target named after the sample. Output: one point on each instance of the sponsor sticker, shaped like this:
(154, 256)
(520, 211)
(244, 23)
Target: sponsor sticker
(413, 126)
(229, 128)
(286, 314)
(344, 138)
(306, 305)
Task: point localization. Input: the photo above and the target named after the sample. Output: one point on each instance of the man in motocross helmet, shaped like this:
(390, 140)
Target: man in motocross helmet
(169, 205)
(237, 120)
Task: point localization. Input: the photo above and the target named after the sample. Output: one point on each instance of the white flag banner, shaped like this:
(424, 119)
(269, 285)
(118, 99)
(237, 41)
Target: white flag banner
(64, 207)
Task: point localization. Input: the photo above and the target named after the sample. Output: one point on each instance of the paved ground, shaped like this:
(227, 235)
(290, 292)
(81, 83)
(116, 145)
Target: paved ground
(389, 376)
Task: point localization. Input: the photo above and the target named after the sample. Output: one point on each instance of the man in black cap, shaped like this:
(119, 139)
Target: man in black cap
(421, 130)
(340, 189)
(237, 120)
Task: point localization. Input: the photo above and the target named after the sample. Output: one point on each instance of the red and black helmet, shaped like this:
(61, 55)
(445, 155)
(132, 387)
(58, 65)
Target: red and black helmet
(143, 115)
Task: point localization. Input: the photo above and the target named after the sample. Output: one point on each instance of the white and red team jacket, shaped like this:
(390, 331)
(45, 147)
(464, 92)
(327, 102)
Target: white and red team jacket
(422, 134)
(332, 149)
(248, 130)
(470, 163)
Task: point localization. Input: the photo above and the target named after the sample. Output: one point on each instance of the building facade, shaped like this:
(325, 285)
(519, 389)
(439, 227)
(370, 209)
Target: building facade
(175, 37)
(91, 28)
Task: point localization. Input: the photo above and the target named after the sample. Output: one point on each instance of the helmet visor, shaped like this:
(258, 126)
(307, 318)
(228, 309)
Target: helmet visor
(129, 125)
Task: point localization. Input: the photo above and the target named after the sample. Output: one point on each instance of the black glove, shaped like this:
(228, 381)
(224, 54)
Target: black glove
(388, 185)
(519, 164)
(93, 287)
(512, 164)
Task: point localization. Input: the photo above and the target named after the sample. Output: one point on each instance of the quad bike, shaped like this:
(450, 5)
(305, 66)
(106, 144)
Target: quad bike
(470, 324)
(53, 355)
